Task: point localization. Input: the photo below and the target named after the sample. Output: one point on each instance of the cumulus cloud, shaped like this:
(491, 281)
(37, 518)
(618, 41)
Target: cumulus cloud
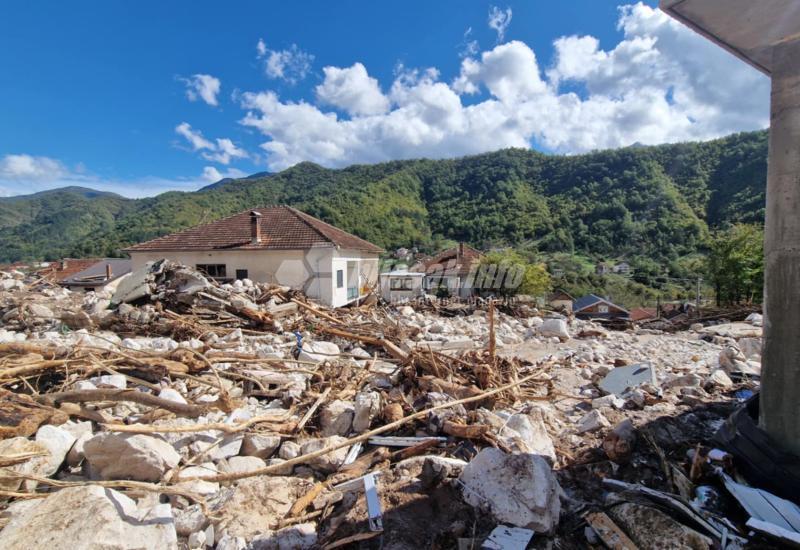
(499, 20)
(204, 87)
(291, 65)
(195, 138)
(660, 83)
(352, 90)
(212, 175)
(30, 168)
(222, 150)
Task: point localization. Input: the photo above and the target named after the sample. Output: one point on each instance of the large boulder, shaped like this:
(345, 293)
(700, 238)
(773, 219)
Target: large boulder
(327, 463)
(89, 518)
(318, 352)
(517, 489)
(130, 456)
(554, 327)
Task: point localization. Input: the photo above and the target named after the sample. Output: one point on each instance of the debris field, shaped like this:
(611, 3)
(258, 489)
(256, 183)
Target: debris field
(177, 412)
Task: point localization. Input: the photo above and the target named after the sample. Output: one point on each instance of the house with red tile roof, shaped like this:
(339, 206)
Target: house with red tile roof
(453, 269)
(274, 244)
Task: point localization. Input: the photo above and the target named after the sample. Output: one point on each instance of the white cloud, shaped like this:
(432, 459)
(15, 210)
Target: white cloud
(469, 46)
(212, 175)
(660, 83)
(291, 65)
(202, 86)
(499, 20)
(352, 90)
(30, 168)
(195, 138)
(223, 151)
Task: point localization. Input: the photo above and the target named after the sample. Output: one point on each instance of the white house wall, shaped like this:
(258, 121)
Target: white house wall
(301, 269)
(311, 270)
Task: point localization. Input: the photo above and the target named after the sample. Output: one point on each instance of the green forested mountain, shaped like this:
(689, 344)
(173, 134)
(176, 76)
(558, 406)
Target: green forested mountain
(654, 204)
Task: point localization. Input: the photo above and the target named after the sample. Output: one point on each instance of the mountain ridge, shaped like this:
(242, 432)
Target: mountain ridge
(655, 202)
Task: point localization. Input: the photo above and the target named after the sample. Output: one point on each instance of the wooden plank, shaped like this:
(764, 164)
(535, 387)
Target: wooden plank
(609, 532)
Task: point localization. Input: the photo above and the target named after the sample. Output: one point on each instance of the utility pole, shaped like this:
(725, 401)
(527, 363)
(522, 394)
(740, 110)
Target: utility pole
(697, 296)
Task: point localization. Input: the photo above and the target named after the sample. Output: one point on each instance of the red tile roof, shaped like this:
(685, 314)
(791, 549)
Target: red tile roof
(457, 260)
(282, 228)
(642, 313)
(58, 271)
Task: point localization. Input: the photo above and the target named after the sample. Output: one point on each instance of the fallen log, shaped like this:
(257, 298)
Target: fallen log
(103, 394)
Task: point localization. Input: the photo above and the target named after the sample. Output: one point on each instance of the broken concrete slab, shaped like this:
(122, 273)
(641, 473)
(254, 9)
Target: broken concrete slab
(621, 379)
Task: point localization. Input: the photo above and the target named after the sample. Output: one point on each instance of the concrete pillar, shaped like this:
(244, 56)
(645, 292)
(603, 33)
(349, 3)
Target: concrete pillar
(780, 383)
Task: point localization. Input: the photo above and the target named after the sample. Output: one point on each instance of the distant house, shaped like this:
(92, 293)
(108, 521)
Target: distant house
(453, 269)
(643, 314)
(276, 244)
(592, 306)
(556, 271)
(58, 271)
(99, 275)
(401, 285)
(561, 300)
(603, 268)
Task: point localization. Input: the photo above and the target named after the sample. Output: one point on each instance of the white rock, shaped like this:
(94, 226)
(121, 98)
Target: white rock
(327, 463)
(130, 456)
(260, 445)
(532, 436)
(171, 395)
(296, 537)
(197, 540)
(336, 418)
(37, 465)
(189, 520)
(718, 379)
(319, 352)
(289, 450)
(40, 311)
(608, 401)
(110, 381)
(555, 328)
(755, 319)
(516, 489)
(199, 486)
(367, 406)
(593, 421)
(89, 518)
(58, 442)
(406, 311)
(241, 464)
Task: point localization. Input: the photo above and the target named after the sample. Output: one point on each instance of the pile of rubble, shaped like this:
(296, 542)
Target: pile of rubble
(181, 413)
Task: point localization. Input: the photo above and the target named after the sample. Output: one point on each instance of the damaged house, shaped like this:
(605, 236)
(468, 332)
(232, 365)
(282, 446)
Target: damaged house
(276, 244)
(453, 269)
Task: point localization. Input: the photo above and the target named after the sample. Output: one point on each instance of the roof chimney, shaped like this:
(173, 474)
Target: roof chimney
(255, 227)
(64, 264)
(108, 271)
(460, 250)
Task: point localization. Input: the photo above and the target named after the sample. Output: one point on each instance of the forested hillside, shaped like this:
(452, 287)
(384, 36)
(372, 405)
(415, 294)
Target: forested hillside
(645, 203)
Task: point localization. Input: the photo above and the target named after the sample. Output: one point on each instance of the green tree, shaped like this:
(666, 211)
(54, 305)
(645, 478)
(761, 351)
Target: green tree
(736, 264)
(507, 273)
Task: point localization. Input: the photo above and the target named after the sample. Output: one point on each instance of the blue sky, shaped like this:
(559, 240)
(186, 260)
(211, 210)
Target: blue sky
(141, 97)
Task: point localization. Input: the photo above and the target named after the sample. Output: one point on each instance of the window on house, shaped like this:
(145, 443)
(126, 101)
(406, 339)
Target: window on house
(340, 278)
(241, 274)
(602, 308)
(401, 283)
(216, 271)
